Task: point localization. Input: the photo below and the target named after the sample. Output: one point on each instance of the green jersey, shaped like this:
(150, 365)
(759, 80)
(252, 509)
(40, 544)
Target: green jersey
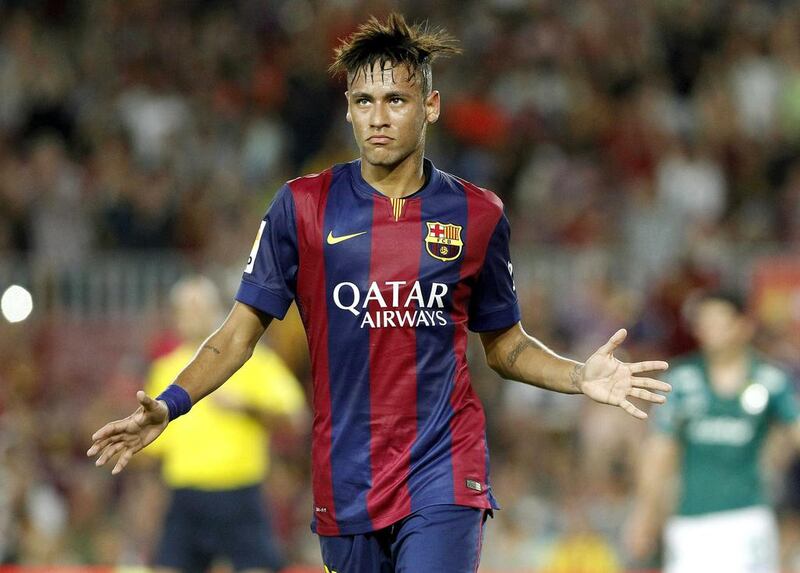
(721, 437)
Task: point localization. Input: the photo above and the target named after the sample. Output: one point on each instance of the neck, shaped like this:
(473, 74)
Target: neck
(727, 358)
(395, 181)
(728, 370)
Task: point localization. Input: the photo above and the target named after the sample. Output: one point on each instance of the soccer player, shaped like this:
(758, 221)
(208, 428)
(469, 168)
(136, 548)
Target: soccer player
(390, 261)
(215, 460)
(712, 433)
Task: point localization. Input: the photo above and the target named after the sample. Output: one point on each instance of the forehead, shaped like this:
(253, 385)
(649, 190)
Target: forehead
(717, 308)
(377, 78)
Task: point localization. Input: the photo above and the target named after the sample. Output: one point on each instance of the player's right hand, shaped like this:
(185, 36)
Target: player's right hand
(131, 434)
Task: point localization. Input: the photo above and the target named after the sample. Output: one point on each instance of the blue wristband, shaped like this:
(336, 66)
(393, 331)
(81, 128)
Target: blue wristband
(177, 399)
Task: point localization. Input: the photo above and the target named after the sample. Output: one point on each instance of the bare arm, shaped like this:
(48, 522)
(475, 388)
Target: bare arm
(659, 463)
(222, 354)
(516, 355)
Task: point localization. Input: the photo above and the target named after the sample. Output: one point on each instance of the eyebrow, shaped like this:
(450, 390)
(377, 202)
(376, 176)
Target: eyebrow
(391, 94)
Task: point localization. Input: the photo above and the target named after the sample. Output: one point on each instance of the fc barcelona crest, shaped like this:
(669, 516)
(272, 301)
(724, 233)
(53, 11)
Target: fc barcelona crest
(443, 241)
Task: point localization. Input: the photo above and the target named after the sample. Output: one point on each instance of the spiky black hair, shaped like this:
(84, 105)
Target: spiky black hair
(392, 43)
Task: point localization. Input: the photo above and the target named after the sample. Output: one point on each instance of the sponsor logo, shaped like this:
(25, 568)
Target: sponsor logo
(254, 251)
(443, 241)
(394, 304)
(336, 240)
(723, 430)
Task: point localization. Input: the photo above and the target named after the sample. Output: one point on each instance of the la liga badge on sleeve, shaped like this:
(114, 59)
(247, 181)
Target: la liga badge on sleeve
(443, 241)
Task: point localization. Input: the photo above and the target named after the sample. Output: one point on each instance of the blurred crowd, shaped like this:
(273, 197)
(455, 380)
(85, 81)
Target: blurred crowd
(663, 132)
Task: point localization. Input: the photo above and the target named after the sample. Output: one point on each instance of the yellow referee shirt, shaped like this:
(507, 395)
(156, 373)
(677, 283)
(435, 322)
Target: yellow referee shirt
(214, 448)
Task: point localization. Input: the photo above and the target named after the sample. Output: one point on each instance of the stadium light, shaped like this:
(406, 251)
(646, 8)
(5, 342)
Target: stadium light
(16, 304)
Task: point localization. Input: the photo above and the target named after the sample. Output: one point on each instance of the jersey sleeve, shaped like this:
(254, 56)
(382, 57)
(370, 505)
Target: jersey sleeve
(783, 404)
(494, 299)
(665, 417)
(270, 278)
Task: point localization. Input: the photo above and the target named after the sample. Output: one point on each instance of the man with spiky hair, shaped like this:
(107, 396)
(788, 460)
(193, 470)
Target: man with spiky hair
(390, 261)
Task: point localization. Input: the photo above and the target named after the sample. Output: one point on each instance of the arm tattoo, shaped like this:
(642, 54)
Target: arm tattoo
(517, 350)
(213, 349)
(575, 376)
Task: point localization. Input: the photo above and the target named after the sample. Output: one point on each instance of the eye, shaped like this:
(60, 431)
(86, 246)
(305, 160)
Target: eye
(362, 101)
(396, 100)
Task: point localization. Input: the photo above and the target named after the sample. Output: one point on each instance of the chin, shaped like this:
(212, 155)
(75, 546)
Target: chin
(380, 162)
(384, 159)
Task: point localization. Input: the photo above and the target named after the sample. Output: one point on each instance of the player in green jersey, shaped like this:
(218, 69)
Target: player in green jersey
(711, 435)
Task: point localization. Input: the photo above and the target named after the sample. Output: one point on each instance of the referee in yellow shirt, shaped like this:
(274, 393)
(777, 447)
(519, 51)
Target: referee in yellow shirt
(215, 460)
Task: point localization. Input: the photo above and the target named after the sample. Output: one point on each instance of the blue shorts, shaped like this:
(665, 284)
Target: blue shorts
(441, 538)
(203, 526)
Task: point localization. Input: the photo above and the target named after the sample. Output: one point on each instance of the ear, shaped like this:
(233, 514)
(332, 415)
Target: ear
(432, 107)
(347, 116)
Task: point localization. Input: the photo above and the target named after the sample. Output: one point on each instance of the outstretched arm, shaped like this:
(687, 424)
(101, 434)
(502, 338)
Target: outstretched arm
(222, 354)
(516, 355)
(658, 464)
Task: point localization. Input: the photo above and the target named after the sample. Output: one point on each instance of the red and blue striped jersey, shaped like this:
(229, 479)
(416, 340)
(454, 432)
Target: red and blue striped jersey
(387, 289)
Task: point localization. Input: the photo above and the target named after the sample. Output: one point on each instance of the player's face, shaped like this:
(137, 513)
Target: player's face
(718, 326)
(389, 113)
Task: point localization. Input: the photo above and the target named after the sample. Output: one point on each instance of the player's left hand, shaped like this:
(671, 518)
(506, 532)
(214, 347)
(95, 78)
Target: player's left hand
(607, 380)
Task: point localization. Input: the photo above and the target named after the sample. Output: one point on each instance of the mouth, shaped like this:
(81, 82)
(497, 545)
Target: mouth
(380, 139)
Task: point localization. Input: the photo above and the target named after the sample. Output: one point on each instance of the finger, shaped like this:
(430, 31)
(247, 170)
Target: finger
(99, 446)
(145, 400)
(109, 452)
(649, 366)
(650, 384)
(632, 410)
(613, 342)
(647, 395)
(151, 405)
(115, 427)
(123, 461)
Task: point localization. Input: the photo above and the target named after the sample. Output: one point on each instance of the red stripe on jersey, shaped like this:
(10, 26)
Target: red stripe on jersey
(469, 457)
(310, 198)
(392, 361)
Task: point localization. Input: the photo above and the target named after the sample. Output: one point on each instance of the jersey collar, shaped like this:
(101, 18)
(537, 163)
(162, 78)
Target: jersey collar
(432, 180)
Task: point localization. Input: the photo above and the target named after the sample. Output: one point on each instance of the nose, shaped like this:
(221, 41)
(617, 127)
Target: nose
(379, 116)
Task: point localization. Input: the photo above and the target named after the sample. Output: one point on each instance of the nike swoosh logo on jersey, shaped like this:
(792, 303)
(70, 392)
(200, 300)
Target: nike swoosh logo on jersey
(333, 240)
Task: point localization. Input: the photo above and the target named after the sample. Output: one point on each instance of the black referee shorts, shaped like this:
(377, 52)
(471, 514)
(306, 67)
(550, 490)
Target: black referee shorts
(202, 526)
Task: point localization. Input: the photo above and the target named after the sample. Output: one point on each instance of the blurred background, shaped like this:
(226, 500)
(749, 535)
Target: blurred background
(643, 149)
